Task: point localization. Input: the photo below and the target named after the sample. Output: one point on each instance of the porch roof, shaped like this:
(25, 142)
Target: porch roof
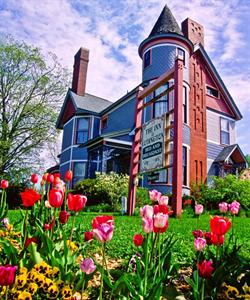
(234, 152)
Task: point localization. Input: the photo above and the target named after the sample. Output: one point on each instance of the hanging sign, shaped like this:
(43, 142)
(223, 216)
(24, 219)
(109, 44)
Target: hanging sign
(152, 145)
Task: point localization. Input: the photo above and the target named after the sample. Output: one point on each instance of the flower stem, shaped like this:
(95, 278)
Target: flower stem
(83, 282)
(7, 292)
(25, 227)
(146, 268)
(72, 229)
(159, 252)
(103, 263)
(202, 289)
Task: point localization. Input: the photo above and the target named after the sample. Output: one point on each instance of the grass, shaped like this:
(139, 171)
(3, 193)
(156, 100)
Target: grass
(121, 246)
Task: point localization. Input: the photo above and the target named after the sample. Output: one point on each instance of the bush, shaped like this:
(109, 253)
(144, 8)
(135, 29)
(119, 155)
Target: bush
(105, 188)
(226, 189)
(142, 197)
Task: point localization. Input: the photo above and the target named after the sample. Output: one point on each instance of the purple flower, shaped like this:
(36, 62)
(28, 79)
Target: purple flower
(223, 207)
(198, 209)
(234, 207)
(88, 266)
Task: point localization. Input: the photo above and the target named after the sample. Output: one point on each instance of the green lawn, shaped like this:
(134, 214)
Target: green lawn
(122, 246)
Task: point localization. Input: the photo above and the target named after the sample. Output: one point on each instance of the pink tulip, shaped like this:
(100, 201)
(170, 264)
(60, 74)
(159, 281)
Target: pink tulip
(163, 200)
(147, 225)
(234, 207)
(88, 266)
(223, 207)
(4, 184)
(199, 244)
(104, 232)
(147, 211)
(154, 195)
(160, 220)
(198, 209)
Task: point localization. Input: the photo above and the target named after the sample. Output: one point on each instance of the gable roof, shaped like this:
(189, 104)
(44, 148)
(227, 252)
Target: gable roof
(166, 23)
(199, 48)
(228, 151)
(87, 103)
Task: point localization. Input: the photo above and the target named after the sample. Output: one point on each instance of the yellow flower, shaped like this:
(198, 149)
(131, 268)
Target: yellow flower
(39, 279)
(66, 292)
(20, 281)
(42, 267)
(53, 291)
(72, 246)
(23, 270)
(9, 227)
(54, 272)
(60, 283)
(231, 292)
(32, 288)
(24, 296)
(47, 283)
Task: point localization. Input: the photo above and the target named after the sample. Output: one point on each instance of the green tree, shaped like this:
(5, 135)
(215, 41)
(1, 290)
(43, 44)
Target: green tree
(248, 159)
(31, 92)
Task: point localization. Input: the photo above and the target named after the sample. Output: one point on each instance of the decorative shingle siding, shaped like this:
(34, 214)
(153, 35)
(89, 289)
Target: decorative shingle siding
(163, 58)
(67, 134)
(213, 150)
(122, 118)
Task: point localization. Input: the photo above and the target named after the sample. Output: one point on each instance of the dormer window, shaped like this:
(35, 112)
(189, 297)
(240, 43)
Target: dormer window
(212, 92)
(147, 59)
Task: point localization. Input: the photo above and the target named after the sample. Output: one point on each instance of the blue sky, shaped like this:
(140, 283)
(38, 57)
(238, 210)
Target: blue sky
(113, 30)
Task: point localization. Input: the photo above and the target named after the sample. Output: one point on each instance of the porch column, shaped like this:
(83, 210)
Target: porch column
(177, 151)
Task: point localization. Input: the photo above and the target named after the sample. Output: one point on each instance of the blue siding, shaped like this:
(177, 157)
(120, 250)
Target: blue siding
(67, 134)
(213, 150)
(65, 156)
(128, 138)
(122, 118)
(79, 153)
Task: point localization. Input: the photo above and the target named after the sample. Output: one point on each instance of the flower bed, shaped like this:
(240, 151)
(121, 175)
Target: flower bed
(49, 259)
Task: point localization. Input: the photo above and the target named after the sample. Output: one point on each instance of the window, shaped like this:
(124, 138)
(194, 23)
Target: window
(184, 165)
(104, 122)
(184, 105)
(82, 128)
(147, 59)
(212, 92)
(161, 105)
(224, 131)
(181, 53)
(79, 171)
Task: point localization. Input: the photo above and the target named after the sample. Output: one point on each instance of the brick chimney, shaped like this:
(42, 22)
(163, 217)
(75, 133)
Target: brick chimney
(80, 71)
(193, 31)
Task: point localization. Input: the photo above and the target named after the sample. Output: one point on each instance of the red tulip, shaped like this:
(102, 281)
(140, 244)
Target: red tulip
(29, 241)
(208, 238)
(68, 175)
(56, 175)
(4, 184)
(7, 275)
(160, 219)
(102, 219)
(55, 198)
(76, 202)
(34, 178)
(88, 236)
(197, 233)
(30, 197)
(56, 180)
(219, 225)
(46, 226)
(217, 239)
(63, 217)
(160, 209)
(50, 178)
(205, 269)
(138, 240)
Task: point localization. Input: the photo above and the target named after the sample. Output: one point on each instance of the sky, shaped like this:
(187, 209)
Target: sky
(113, 29)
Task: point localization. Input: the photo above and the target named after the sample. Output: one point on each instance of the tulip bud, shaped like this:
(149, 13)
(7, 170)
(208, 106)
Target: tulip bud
(45, 176)
(205, 269)
(88, 266)
(198, 209)
(7, 275)
(63, 217)
(138, 240)
(88, 236)
(50, 178)
(34, 178)
(55, 198)
(68, 175)
(4, 184)
(199, 244)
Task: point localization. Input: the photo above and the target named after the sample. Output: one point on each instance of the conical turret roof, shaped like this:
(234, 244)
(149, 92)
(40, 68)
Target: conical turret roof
(166, 23)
